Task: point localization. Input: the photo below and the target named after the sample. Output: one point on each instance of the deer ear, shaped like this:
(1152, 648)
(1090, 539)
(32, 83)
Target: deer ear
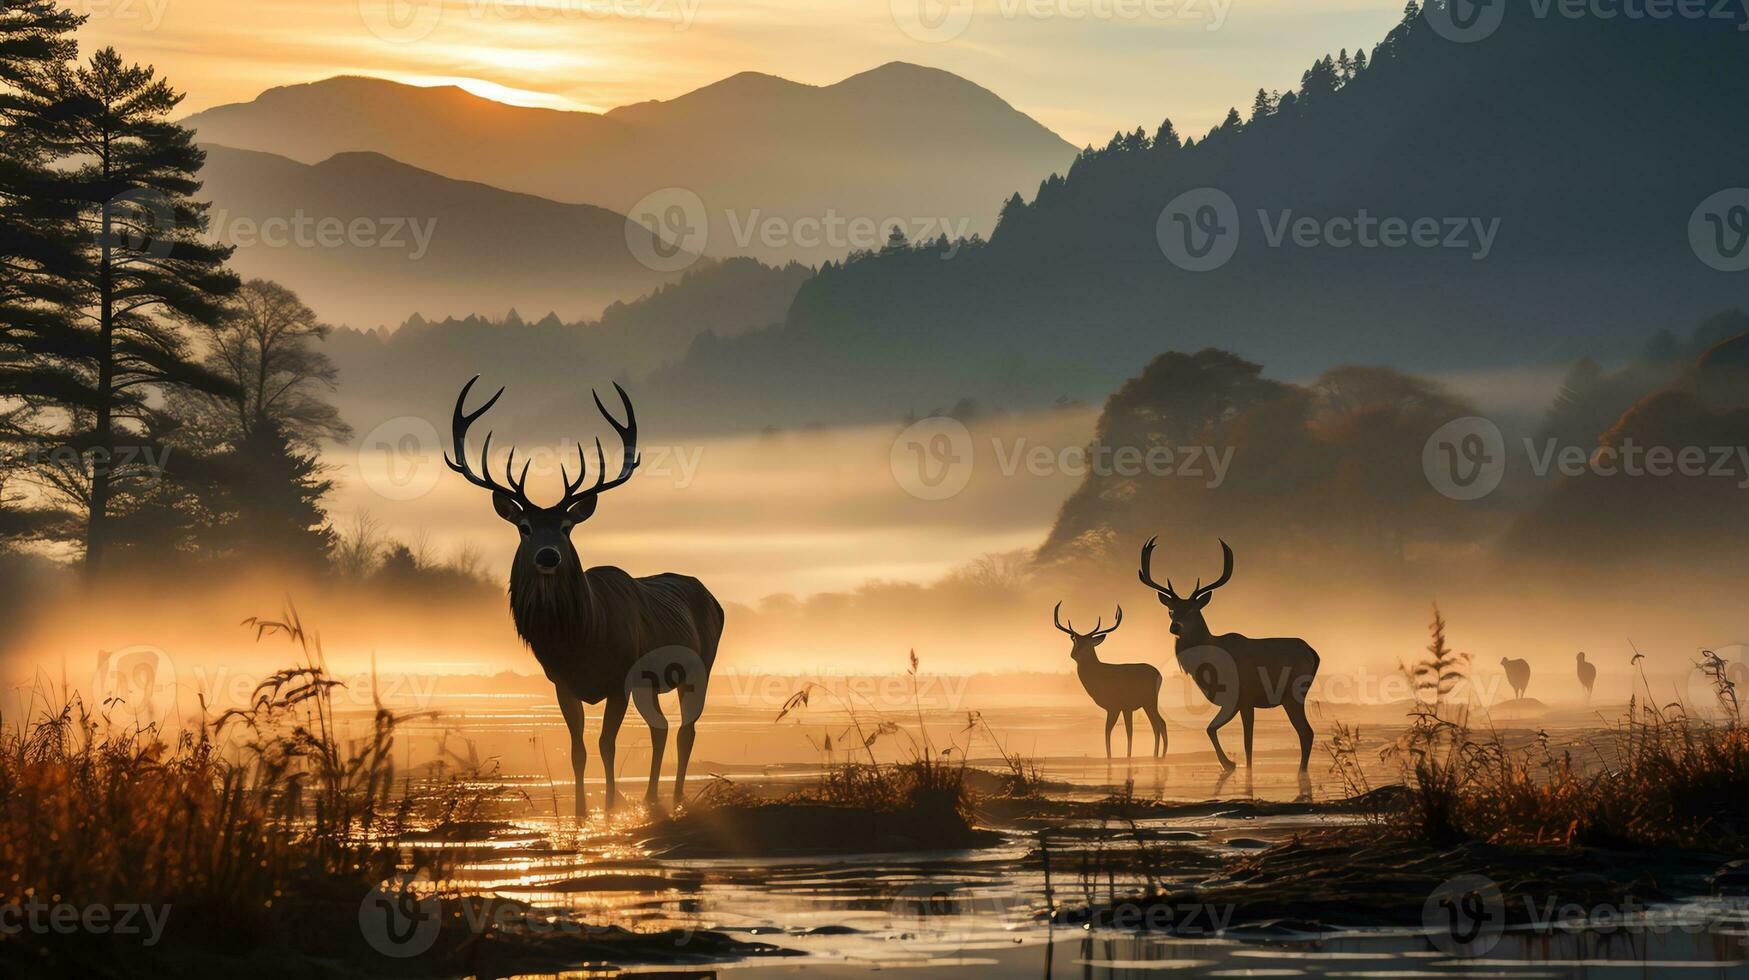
(583, 509)
(506, 507)
(1204, 600)
(1098, 640)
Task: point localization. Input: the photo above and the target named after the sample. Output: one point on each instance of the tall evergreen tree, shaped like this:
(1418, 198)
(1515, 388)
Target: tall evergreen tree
(37, 230)
(1012, 209)
(1166, 137)
(149, 276)
(275, 503)
(1261, 106)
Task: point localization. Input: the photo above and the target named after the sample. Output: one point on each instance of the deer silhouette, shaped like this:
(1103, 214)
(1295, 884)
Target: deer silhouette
(1236, 673)
(600, 634)
(1517, 674)
(1118, 688)
(1587, 674)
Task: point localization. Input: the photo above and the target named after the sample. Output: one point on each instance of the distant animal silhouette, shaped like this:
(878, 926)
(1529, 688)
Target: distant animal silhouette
(600, 634)
(1117, 688)
(1236, 673)
(1517, 674)
(1587, 674)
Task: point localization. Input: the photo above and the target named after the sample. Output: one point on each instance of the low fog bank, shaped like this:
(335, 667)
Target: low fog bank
(988, 624)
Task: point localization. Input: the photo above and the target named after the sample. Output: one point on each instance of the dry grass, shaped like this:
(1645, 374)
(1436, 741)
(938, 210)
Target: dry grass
(852, 775)
(257, 807)
(1660, 778)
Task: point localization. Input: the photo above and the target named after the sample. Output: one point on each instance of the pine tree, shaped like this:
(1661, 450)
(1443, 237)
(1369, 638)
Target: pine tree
(275, 501)
(1166, 137)
(1262, 106)
(1012, 210)
(148, 275)
(38, 234)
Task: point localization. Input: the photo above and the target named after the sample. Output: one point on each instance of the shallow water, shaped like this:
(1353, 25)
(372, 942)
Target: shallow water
(979, 913)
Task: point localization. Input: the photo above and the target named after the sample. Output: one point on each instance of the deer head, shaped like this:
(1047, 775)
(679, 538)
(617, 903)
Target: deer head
(1085, 642)
(546, 531)
(1186, 611)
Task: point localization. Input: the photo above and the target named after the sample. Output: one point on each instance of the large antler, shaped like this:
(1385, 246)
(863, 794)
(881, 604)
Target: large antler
(628, 434)
(1057, 618)
(1148, 577)
(459, 423)
(1226, 573)
(1196, 593)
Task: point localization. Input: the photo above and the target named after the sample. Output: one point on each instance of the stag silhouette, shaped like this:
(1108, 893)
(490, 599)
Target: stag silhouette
(1587, 674)
(1236, 673)
(1118, 688)
(600, 634)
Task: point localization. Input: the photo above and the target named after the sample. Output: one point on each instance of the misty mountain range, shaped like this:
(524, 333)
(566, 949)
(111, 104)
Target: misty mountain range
(1560, 177)
(900, 143)
(1574, 175)
(418, 366)
(366, 240)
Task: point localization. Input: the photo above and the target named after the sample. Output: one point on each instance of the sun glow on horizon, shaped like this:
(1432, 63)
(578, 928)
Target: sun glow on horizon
(493, 91)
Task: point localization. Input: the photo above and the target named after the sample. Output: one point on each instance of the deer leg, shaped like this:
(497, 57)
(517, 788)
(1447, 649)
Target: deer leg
(612, 714)
(1159, 725)
(1248, 718)
(1110, 723)
(572, 708)
(1296, 714)
(1221, 718)
(1129, 733)
(651, 709)
(691, 706)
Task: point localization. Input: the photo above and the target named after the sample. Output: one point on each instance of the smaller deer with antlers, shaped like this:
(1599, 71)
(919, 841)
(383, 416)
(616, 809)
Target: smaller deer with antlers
(1118, 688)
(1236, 673)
